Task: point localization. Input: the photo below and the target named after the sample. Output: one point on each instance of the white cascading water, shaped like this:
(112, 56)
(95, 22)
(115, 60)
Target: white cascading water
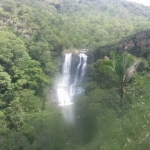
(65, 91)
(83, 66)
(79, 89)
(63, 86)
(74, 90)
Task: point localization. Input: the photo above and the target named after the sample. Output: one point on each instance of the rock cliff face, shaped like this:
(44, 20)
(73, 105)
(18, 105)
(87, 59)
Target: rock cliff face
(141, 39)
(138, 44)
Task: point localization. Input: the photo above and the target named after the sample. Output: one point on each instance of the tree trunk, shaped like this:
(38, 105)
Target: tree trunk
(121, 106)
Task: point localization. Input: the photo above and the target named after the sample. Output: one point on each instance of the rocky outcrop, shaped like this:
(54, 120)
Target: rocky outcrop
(138, 44)
(19, 25)
(126, 44)
(141, 39)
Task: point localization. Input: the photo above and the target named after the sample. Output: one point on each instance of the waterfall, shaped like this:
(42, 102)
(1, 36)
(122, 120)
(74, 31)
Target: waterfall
(66, 69)
(80, 72)
(78, 69)
(65, 90)
(83, 66)
(63, 85)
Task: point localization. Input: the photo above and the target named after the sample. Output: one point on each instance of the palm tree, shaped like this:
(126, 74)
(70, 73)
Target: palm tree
(121, 67)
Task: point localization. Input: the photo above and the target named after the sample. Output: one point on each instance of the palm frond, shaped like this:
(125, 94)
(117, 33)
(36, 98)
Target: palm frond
(106, 63)
(130, 59)
(113, 55)
(107, 66)
(131, 70)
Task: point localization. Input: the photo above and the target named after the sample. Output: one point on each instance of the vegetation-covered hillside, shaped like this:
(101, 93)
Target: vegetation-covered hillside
(74, 23)
(33, 34)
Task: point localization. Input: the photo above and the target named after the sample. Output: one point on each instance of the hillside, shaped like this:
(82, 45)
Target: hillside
(33, 35)
(137, 44)
(74, 23)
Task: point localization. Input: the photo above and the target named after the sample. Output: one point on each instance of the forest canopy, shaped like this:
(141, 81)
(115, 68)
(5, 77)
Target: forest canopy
(33, 35)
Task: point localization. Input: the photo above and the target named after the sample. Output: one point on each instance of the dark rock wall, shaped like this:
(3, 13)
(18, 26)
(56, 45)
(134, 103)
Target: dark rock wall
(138, 44)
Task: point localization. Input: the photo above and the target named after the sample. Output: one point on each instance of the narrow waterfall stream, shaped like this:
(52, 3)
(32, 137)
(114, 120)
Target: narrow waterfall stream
(76, 89)
(65, 89)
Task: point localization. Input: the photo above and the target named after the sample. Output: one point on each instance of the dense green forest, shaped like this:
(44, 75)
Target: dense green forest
(114, 112)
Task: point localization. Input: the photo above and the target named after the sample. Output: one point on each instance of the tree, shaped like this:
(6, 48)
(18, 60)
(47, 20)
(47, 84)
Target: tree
(45, 130)
(34, 77)
(5, 80)
(121, 67)
(29, 102)
(12, 52)
(14, 114)
(14, 140)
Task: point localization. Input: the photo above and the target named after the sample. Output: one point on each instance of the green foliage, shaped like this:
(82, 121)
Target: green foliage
(29, 102)
(34, 76)
(5, 80)
(101, 108)
(97, 77)
(54, 25)
(13, 50)
(14, 141)
(45, 130)
(14, 114)
(93, 107)
(9, 6)
(119, 67)
(3, 124)
(33, 34)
